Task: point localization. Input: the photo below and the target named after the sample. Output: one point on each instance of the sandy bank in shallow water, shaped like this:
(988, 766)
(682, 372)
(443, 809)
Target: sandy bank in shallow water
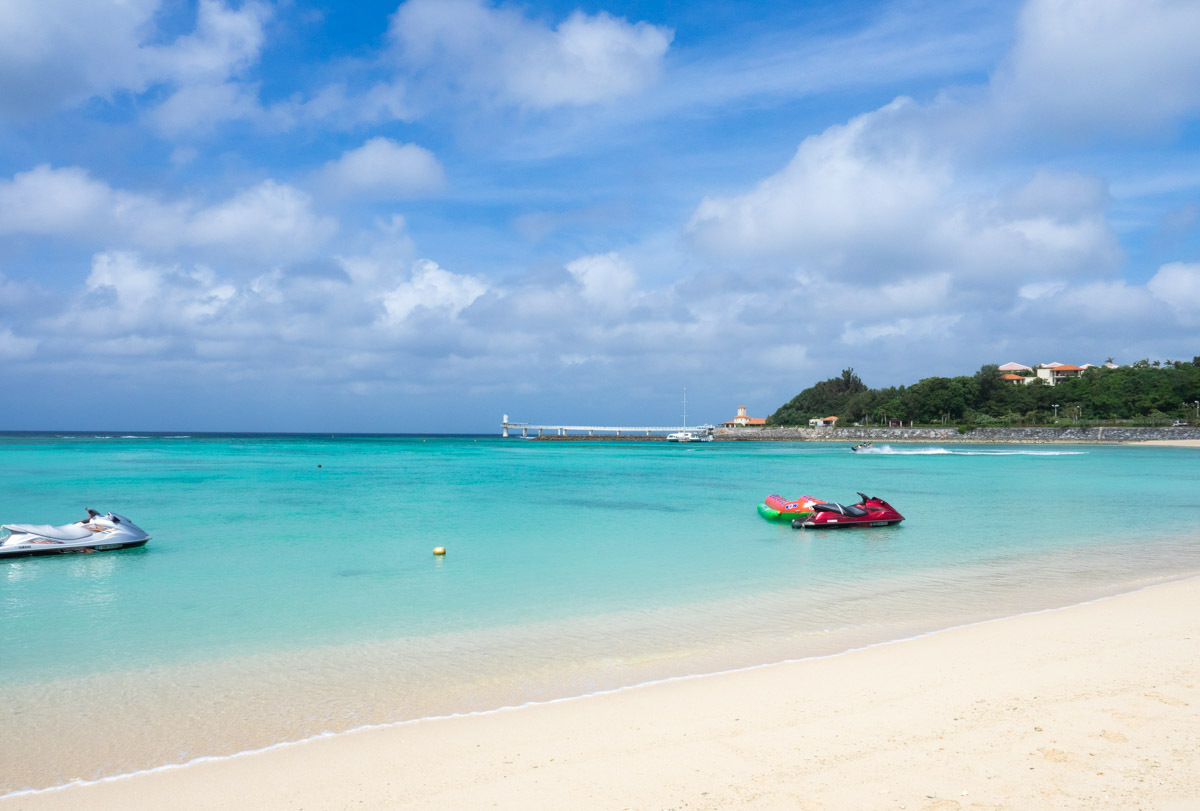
(1094, 706)
(1173, 443)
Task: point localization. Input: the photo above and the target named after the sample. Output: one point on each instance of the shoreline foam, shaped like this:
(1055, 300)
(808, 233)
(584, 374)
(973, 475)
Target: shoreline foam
(122, 789)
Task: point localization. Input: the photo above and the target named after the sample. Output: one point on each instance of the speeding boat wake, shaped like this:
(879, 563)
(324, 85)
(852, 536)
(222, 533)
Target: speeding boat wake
(96, 533)
(888, 450)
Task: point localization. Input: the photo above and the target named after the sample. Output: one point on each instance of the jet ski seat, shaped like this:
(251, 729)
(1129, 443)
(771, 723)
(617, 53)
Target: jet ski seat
(833, 507)
(66, 532)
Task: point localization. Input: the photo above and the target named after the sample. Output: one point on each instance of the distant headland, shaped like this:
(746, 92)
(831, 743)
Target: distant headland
(1147, 401)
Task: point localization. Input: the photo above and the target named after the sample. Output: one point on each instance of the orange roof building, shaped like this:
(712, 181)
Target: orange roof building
(1053, 374)
(741, 419)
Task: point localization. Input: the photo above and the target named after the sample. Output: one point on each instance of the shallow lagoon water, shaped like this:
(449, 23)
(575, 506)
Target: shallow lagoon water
(290, 587)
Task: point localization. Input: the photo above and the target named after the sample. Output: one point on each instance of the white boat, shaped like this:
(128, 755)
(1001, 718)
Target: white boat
(96, 533)
(681, 436)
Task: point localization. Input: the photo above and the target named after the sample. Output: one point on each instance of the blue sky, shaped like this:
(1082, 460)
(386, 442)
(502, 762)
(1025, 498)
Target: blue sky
(419, 216)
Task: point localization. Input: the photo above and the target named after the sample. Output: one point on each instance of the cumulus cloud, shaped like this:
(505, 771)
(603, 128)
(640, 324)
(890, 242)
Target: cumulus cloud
(149, 293)
(606, 279)
(377, 327)
(432, 288)
(225, 43)
(1124, 66)
(58, 52)
(884, 195)
(52, 201)
(195, 110)
(269, 221)
(1178, 284)
(383, 169)
(500, 54)
(846, 189)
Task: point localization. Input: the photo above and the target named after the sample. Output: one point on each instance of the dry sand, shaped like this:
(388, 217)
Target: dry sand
(1172, 443)
(1093, 706)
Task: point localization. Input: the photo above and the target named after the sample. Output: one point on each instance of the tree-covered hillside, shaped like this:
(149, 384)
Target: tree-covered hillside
(1145, 392)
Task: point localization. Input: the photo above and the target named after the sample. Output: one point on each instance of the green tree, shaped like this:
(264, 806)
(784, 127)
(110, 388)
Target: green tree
(827, 398)
(1145, 391)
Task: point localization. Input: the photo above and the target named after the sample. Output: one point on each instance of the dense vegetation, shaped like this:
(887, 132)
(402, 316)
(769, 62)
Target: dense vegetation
(1145, 393)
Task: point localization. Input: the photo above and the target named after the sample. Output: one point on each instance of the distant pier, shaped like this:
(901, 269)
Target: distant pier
(600, 430)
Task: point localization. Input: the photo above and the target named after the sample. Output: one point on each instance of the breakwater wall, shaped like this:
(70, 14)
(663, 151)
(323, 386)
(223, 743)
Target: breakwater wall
(1065, 434)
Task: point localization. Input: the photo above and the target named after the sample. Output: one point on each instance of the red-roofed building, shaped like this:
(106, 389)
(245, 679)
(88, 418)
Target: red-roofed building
(1053, 375)
(741, 419)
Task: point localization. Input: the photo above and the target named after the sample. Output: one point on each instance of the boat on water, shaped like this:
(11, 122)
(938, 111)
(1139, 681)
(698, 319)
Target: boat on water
(810, 512)
(870, 511)
(862, 446)
(96, 533)
(702, 433)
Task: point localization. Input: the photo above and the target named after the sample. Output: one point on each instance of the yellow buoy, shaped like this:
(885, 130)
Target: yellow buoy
(439, 550)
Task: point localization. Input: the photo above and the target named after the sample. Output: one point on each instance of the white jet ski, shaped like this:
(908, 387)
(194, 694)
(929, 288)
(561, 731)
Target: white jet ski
(96, 533)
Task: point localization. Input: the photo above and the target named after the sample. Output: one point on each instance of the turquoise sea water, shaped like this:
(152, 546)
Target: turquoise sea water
(290, 588)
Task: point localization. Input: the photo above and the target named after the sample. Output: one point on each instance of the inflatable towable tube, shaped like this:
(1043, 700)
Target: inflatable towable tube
(778, 508)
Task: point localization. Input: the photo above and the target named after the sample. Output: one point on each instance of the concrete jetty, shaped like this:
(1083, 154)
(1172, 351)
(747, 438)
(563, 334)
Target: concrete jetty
(630, 431)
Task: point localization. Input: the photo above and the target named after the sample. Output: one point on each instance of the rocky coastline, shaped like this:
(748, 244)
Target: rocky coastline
(1042, 434)
(1109, 435)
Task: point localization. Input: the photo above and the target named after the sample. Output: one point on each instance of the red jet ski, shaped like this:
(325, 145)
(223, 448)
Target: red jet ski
(869, 512)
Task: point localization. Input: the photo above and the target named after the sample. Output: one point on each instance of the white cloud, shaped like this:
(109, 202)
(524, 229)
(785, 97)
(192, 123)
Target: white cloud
(886, 195)
(195, 110)
(270, 221)
(606, 279)
(1104, 305)
(500, 54)
(52, 201)
(57, 53)
(905, 330)
(389, 321)
(1178, 284)
(13, 347)
(335, 107)
(1129, 66)
(383, 169)
(848, 195)
(225, 43)
(1038, 290)
(152, 297)
(433, 288)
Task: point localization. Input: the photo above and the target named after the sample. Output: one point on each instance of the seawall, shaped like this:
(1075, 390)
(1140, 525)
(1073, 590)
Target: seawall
(1063, 434)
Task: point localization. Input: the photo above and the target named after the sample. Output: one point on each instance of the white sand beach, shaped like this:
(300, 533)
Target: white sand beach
(1092, 706)
(1171, 443)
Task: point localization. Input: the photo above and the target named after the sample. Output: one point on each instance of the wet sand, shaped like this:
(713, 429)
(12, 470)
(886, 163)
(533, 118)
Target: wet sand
(1092, 706)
